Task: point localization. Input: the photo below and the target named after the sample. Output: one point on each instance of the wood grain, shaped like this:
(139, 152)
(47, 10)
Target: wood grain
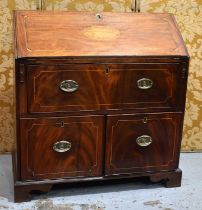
(124, 155)
(96, 81)
(40, 161)
(136, 34)
(108, 112)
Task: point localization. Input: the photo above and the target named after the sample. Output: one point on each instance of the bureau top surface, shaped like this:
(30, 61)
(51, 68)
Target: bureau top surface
(64, 34)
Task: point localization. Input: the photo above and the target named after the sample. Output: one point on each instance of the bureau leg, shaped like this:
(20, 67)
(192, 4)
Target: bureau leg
(171, 178)
(174, 179)
(22, 192)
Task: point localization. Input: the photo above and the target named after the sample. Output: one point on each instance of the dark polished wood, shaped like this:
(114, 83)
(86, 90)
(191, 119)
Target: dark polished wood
(170, 178)
(24, 189)
(109, 127)
(166, 94)
(112, 77)
(22, 192)
(84, 158)
(124, 155)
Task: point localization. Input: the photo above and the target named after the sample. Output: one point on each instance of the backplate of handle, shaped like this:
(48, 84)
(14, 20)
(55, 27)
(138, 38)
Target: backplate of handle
(144, 83)
(69, 86)
(144, 140)
(62, 146)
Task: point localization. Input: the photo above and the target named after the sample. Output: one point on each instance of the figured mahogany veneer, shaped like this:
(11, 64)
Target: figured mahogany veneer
(111, 78)
(83, 159)
(124, 155)
(98, 97)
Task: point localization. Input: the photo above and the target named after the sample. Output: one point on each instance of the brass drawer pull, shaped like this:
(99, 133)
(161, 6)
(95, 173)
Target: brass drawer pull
(69, 86)
(62, 146)
(144, 140)
(144, 83)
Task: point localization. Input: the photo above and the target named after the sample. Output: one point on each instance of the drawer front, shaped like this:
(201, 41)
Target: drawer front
(65, 88)
(102, 87)
(143, 143)
(61, 147)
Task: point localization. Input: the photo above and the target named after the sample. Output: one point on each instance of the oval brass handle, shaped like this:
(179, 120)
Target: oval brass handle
(69, 86)
(144, 83)
(62, 146)
(144, 140)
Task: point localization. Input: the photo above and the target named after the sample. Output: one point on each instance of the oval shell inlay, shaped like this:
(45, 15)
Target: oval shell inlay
(101, 33)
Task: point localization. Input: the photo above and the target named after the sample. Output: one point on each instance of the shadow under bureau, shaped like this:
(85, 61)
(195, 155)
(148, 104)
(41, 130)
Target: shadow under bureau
(98, 97)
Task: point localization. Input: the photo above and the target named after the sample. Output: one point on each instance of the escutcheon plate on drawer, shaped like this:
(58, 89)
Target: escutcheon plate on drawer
(79, 87)
(137, 146)
(98, 97)
(64, 147)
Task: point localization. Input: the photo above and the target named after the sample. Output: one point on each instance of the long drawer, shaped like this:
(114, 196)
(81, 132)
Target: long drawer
(57, 88)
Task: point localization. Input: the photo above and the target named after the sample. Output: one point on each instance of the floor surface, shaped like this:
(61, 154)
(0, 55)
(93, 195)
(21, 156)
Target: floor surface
(133, 195)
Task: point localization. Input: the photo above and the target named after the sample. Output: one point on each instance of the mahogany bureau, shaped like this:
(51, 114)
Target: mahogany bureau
(98, 97)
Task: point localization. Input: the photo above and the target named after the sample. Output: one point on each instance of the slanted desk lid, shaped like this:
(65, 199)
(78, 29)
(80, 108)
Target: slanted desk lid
(49, 34)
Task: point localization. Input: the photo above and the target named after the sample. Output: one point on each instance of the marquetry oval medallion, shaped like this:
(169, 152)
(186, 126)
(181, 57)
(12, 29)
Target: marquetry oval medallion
(101, 33)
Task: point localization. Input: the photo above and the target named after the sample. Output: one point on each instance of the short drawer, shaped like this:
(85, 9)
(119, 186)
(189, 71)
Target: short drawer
(61, 147)
(103, 87)
(143, 143)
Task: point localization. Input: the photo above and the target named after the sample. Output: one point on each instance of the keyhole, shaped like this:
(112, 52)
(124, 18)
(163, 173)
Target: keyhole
(62, 124)
(98, 16)
(107, 70)
(145, 120)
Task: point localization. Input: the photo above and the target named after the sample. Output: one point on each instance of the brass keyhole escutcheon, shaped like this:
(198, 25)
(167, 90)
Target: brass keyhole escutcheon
(145, 120)
(98, 16)
(107, 70)
(62, 124)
